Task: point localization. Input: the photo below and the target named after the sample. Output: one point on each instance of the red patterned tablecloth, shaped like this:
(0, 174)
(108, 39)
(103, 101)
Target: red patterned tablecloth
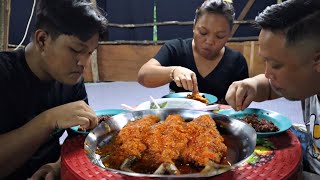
(282, 162)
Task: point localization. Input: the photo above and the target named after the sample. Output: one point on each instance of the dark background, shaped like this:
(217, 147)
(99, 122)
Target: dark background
(137, 12)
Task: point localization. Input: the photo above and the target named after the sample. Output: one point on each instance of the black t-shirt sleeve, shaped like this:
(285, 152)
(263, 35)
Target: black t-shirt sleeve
(170, 53)
(163, 55)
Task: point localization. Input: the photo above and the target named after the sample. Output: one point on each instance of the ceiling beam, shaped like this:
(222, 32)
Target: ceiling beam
(242, 15)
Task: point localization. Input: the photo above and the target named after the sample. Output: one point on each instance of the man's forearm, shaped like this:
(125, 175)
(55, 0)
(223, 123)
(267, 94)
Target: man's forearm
(265, 92)
(17, 146)
(263, 88)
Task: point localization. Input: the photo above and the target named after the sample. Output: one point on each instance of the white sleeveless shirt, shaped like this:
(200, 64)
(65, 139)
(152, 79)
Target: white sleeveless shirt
(311, 114)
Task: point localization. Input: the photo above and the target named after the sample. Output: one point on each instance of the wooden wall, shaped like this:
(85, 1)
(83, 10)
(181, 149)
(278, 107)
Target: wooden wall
(122, 62)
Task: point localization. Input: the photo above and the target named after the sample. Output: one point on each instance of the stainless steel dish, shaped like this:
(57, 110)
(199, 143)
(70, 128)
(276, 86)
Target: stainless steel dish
(240, 137)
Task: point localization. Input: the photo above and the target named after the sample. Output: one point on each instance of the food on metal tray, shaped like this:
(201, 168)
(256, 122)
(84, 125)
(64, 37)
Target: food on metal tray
(173, 146)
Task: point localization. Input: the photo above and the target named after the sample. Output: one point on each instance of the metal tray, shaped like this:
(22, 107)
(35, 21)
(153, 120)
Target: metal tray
(240, 138)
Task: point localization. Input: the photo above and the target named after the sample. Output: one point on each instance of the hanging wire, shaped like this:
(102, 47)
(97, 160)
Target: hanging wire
(27, 28)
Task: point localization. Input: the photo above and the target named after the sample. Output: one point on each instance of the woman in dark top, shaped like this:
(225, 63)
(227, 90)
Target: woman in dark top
(202, 64)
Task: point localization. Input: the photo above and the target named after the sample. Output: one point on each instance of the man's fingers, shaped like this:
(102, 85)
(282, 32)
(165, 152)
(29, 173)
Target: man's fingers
(88, 108)
(240, 97)
(231, 96)
(39, 174)
(85, 117)
(50, 176)
(83, 122)
(247, 101)
(87, 122)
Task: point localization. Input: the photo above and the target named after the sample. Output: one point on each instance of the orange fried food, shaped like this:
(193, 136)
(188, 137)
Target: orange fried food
(166, 140)
(129, 141)
(198, 97)
(204, 138)
(174, 140)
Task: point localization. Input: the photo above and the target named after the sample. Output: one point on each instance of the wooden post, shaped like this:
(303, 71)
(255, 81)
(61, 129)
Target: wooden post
(1, 25)
(251, 67)
(4, 23)
(94, 67)
(94, 60)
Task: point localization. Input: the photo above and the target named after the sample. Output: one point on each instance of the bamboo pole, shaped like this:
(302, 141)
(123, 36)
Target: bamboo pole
(165, 23)
(242, 16)
(146, 42)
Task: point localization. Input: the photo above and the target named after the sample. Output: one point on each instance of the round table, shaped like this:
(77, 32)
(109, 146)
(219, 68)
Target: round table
(283, 163)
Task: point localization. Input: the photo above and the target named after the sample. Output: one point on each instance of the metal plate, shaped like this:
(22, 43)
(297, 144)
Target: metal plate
(172, 103)
(240, 138)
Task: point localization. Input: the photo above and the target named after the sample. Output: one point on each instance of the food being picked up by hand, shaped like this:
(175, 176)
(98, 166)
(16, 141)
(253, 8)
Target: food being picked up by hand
(100, 119)
(198, 97)
(260, 125)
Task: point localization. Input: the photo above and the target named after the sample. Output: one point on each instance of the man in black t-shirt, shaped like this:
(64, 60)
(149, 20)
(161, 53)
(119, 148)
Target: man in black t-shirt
(42, 89)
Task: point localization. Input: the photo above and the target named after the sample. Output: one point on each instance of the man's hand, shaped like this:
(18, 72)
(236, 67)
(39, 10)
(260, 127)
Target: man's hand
(49, 171)
(241, 93)
(71, 114)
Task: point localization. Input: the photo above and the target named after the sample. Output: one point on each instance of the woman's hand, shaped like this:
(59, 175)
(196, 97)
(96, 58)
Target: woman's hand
(185, 78)
(50, 171)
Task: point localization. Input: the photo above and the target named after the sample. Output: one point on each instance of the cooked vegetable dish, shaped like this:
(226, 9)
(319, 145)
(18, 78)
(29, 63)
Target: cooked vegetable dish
(260, 125)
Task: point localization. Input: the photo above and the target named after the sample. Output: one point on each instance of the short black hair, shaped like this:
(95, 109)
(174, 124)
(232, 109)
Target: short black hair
(298, 19)
(70, 17)
(216, 6)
